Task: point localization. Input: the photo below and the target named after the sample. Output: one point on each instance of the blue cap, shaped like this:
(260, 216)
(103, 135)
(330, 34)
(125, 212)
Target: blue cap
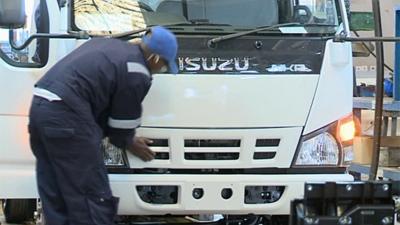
(163, 42)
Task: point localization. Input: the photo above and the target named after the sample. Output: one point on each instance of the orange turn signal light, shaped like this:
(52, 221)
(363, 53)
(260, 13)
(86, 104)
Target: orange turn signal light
(346, 129)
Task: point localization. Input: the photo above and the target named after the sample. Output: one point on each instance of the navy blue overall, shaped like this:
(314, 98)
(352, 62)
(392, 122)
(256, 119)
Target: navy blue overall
(92, 93)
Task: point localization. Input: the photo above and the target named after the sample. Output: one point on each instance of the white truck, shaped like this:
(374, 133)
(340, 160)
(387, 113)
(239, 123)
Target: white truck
(250, 117)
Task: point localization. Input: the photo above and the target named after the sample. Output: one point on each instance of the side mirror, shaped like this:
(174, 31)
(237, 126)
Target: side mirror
(12, 14)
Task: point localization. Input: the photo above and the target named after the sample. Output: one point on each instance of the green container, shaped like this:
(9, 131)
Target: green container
(362, 21)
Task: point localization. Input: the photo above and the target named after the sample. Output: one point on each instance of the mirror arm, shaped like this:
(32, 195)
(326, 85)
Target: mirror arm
(341, 38)
(343, 14)
(75, 35)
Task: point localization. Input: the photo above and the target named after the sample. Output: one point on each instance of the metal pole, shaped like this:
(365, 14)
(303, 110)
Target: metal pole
(343, 13)
(379, 91)
(364, 39)
(396, 76)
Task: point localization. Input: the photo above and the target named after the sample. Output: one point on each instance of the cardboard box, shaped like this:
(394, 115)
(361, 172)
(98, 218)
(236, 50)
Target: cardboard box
(362, 149)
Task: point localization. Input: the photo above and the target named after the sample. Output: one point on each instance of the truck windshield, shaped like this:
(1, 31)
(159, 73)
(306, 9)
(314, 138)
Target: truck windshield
(214, 16)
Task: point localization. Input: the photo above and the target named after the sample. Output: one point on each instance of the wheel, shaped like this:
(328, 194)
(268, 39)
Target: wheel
(280, 220)
(19, 210)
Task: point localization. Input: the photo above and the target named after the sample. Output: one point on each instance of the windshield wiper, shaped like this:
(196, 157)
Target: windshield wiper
(318, 25)
(214, 41)
(198, 22)
(129, 33)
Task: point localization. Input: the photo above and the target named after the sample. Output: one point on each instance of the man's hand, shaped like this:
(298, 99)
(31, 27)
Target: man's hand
(141, 149)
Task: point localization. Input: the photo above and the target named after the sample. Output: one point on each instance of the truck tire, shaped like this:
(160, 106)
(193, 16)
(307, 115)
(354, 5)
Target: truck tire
(280, 220)
(19, 210)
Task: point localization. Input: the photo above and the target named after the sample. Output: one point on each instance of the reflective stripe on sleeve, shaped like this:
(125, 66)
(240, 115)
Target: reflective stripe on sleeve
(46, 94)
(124, 124)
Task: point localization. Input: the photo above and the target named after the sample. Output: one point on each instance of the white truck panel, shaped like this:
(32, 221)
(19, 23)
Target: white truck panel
(213, 101)
(212, 202)
(331, 104)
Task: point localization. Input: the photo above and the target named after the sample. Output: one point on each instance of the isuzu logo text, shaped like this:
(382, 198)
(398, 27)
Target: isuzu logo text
(212, 64)
(242, 65)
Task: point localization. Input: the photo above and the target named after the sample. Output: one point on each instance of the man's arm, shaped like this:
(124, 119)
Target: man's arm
(126, 111)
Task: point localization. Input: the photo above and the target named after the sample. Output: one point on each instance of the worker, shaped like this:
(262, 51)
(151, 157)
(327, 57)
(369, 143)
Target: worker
(94, 92)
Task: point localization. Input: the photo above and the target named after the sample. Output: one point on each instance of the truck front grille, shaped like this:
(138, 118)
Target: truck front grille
(227, 149)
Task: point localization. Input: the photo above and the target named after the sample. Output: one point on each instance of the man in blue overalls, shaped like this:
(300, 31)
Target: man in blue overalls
(94, 92)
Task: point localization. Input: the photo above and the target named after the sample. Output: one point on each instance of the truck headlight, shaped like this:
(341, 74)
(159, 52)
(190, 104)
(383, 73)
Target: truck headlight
(112, 155)
(329, 146)
(319, 150)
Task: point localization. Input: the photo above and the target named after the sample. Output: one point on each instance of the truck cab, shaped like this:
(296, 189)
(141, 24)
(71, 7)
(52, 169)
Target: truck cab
(250, 117)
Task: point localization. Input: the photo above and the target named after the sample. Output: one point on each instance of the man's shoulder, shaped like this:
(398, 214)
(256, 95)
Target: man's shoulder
(104, 41)
(111, 46)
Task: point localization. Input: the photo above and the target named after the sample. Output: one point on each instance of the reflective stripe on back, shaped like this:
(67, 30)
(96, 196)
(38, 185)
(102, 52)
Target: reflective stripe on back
(134, 67)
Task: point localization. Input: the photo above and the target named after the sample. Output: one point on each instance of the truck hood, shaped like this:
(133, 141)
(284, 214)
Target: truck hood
(229, 101)
(242, 83)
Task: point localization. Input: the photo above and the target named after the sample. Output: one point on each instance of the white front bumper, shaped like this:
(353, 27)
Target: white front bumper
(124, 186)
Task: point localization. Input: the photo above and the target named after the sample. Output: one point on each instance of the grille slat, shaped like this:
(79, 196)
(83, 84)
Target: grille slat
(215, 143)
(162, 155)
(211, 156)
(213, 150)
(266, 148)
(161, 148)
(264, 155)
(268, 142)
(159, 143)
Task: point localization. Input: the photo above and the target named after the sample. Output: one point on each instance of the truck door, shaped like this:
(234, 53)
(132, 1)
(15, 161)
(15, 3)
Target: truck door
(19, 71)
